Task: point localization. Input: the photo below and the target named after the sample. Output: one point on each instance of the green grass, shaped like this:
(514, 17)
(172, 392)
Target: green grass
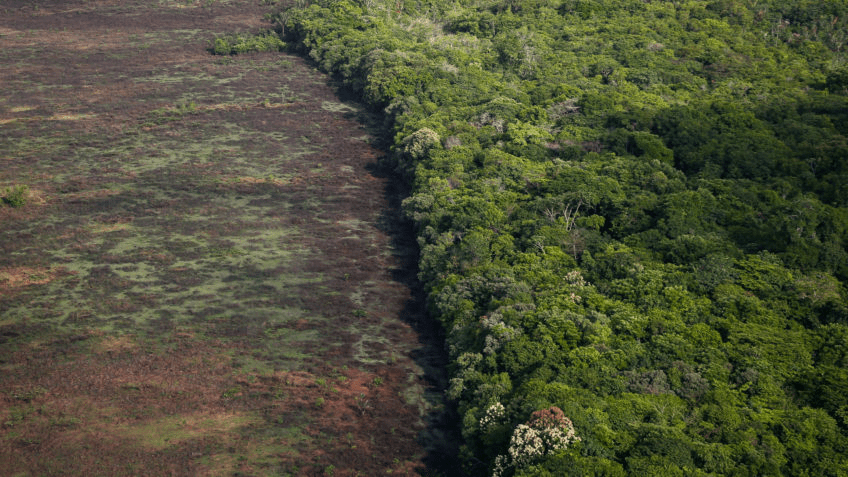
(235, 44)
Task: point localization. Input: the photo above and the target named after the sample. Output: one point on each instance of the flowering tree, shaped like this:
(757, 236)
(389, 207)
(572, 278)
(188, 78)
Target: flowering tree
(547, 431)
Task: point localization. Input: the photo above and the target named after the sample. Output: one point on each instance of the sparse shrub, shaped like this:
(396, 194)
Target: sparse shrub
(15, 196)
(231, 393)
(363, 404)
(236, 43)
(29, 394)
(186, 108)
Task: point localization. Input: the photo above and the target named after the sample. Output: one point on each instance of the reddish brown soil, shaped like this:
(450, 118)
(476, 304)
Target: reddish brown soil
(83, 391)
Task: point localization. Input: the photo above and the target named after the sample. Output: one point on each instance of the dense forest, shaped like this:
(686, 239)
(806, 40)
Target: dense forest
(632, 218)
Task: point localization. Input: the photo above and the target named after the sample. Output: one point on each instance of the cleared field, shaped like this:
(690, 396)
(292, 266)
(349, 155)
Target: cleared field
(207, 275)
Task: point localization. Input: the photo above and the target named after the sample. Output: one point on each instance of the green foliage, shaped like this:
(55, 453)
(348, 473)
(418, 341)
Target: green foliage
(238, 43)
(15, 196)
(633, 211)
(837, 80)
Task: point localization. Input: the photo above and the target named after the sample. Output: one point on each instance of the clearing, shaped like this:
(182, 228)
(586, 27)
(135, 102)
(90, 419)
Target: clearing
(209, 275)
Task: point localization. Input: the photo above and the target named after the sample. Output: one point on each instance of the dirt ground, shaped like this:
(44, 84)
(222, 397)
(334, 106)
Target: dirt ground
(209, 275)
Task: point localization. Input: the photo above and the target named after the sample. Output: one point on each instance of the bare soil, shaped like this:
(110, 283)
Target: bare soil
(209, 275)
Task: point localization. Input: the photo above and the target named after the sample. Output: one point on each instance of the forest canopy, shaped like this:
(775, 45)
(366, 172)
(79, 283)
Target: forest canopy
(632, 218)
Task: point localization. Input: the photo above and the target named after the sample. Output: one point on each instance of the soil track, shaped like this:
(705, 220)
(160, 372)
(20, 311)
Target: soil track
(208, 276)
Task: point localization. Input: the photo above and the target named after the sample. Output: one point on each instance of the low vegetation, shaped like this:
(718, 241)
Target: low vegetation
(632, 216)
(200, 272)
(15, 196)
(239, 43)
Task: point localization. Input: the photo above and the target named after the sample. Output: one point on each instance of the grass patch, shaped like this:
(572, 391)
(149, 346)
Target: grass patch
(115, 344)
(172, 430)
(235, 44)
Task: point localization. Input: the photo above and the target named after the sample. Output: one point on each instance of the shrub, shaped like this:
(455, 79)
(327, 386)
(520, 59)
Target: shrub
(235, 44)
(15, 196)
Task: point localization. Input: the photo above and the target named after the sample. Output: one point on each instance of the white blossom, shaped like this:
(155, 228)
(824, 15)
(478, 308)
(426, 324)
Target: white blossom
(493, 415)
(548, 431)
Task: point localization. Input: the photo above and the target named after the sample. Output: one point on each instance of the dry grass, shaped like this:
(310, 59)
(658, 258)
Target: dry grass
(16, 277)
